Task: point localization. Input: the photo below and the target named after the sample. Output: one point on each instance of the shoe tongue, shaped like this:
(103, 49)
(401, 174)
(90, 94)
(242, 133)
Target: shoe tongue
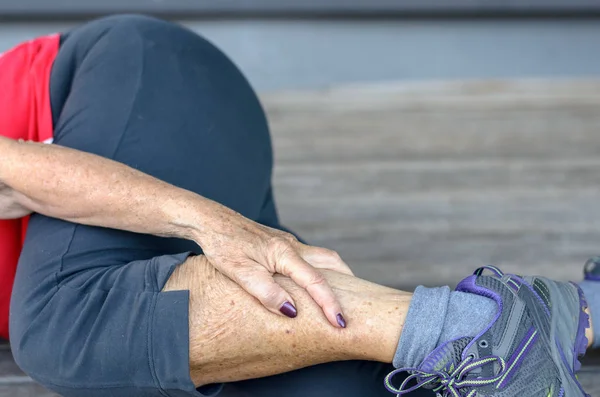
(446, 357)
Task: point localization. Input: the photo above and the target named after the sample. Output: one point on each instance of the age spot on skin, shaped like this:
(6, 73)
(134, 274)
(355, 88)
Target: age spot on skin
(232, 303)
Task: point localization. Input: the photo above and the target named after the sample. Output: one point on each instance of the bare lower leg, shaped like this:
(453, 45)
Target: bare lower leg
(232, 337)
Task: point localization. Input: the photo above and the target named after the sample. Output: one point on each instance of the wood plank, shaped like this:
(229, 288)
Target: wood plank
(473, 134)
(485, 120)
(453, 177)
(25, 390)
(431, 95)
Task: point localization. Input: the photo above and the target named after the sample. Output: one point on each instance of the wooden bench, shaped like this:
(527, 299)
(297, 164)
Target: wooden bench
(421, 183)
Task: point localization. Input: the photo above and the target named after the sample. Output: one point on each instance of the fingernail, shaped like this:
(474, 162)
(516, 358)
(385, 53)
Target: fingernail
(288, 310)
(341, 321)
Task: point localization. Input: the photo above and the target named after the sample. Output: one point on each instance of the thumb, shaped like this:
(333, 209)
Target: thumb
(259, 283)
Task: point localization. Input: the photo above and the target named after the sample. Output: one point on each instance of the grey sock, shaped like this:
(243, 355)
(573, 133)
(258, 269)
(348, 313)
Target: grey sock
(437, 315)
(591, 290)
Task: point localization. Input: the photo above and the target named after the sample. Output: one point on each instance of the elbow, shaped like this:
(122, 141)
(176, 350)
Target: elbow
(12, 204)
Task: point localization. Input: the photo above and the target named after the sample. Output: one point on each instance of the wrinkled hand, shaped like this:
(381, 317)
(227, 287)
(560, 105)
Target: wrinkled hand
(250, 253)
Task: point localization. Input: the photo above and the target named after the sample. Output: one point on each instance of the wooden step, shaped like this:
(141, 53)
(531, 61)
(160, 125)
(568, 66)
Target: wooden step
(422, 182)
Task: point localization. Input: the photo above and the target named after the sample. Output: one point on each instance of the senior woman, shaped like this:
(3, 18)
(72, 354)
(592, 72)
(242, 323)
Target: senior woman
(154, 263)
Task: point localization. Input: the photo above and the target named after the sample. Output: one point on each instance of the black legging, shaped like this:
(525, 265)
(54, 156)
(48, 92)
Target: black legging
(161, 99)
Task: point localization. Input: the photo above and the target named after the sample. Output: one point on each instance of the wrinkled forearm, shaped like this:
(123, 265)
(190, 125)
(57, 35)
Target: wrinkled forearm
(85, 188)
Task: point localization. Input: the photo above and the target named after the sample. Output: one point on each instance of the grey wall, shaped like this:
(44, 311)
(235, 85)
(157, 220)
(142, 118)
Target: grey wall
(285, 54)
(45, 9)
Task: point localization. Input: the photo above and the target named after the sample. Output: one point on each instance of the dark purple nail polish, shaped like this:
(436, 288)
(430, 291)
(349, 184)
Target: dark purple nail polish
(288, 310)
(341, 321)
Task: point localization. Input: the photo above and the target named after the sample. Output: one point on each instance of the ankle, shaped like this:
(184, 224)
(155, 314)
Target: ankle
(386, 316)
(375, 315)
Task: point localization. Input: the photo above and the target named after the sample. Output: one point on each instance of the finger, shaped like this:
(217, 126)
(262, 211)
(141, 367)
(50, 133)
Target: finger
(324, 258)
(309, 278)
(259, 283)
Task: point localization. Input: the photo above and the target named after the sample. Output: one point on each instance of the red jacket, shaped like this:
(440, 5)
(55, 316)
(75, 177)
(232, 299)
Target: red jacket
(25, 113)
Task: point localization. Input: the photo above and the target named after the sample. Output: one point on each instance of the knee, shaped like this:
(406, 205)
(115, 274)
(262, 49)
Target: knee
(152, 34)
(149, 28)
(135, 20)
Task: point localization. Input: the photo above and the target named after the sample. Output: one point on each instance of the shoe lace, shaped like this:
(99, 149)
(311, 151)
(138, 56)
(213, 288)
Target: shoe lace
(453, 384)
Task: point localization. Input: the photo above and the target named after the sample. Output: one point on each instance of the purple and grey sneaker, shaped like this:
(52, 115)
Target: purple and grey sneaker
(591, 270)
(531, 348)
